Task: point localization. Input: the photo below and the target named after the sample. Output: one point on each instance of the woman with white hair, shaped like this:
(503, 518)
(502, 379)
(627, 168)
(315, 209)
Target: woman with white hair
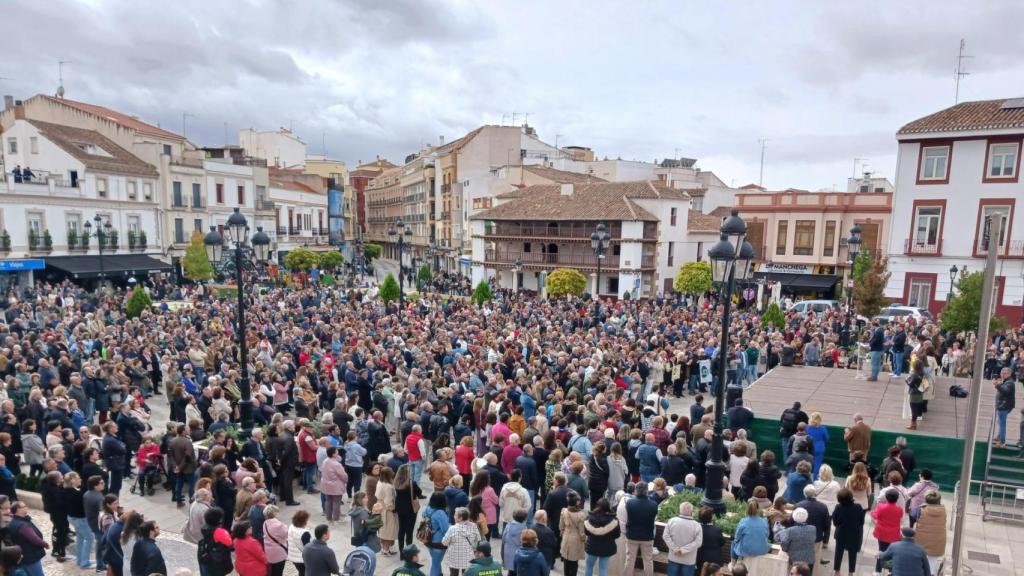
(798, 539)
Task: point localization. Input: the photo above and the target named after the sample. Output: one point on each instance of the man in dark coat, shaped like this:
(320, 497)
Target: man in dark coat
(287, 458)
(115, 456)
(556, 501)
(379, 441)
(817, 513)
(182, 460)
(547, 541)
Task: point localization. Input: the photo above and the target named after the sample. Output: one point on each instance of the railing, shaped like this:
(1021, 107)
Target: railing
(1014, 249)
(559, 259)
(198, 204)
(190, 162)
(912, 247)
(446, 188)
(178, 203)
(577, 231)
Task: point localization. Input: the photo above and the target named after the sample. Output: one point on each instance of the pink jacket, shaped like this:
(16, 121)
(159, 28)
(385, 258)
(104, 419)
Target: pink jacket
(280, 393)
(275, 538)
(333, 478)
(490, 502)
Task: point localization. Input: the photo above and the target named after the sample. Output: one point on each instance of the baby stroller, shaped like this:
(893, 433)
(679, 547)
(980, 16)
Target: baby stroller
(148, 477)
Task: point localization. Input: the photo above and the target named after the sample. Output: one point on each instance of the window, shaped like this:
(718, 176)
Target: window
(33, 145)
(928, 220)
(934, 163)
(671, 252)
(863, 187)
(12, 145)
(101, 187)
(987, 212)
(829, 249)
(197, 195)
(132, 193)
(179, 231)
(780, 238)
(176, 198)
(1002, 160)
(220, 193)
(700, 251)
(241, 195)
(167, 149)
(197, 225)
(35, 223)
(526, 247)
(134, 225)
(803, 244)
(673, 217)
(74, 222)
(147, 191)
(920, 293)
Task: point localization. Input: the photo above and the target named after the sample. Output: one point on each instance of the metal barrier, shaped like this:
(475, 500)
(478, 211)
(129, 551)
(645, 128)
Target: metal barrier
(1001, 502)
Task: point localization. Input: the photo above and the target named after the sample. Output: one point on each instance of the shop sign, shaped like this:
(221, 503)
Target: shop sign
(19, 265)
(786, 268)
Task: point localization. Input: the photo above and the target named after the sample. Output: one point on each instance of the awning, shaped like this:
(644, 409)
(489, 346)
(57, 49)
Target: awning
(800, 281)
(113, 265)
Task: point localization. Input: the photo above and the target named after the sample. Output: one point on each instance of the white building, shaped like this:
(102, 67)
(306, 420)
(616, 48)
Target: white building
(545, 227)
(76, 175)
(300, 212)
(280, 148)
(955, 168)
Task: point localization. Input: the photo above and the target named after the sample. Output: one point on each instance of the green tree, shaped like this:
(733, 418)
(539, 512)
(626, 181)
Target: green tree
(371, 251)
(137, 302)
(693, 278)
(861, 265)
(196, 265)
(301, 260)
(423, 277)
(963, 311)
(566, 281)
(869, 291)
(773, 316)
(389, 289)
(330, 261)
(482, 293)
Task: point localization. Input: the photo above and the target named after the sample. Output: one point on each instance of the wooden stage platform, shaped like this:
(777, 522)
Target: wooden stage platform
(837, 394)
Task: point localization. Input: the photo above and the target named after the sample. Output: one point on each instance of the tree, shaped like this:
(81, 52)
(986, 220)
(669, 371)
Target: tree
(566, 281)
(137, 302)
(301, 260)
(861, 265)
(371, 251)
(693, 278)
(423, 277)
(963, 311)
(773, 316)
(482, 293)
(389, 289)
(869, 292)
(331, 260)
(196, 264)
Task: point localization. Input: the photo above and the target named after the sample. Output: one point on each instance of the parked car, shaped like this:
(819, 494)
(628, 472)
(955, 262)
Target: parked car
(892, 312)
(817, 306)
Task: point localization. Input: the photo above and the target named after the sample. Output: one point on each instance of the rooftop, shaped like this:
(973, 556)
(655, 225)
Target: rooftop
(612, 201)
(117, 117)
(698, 222)
(95, 151)
(965, 116)
(561, 176)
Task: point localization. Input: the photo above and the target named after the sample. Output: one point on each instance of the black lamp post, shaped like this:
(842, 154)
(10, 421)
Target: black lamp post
(102, 233)
(952, 280)
(730, 262)
(519, 270)
(400, 230)
(600, 239)
(238, 230)
(853, 250)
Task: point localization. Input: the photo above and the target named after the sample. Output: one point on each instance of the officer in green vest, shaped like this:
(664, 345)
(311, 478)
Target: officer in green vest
(411, 566)
(483, 564)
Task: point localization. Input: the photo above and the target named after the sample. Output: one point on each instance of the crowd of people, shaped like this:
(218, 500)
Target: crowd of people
(452, 425)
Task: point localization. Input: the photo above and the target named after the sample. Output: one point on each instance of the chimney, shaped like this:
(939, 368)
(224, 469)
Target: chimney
(19, 110)
(8, 102)
(441, 139)
(566, 189)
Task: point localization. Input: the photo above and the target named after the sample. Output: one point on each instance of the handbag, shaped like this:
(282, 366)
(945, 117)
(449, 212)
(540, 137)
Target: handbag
(415, 502)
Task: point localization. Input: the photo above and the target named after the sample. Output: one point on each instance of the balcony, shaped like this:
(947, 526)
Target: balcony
(563, 230)
(557, 260)
(915, 248)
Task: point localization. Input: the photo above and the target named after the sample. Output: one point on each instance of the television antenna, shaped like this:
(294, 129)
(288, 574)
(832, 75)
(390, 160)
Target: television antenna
(60, 75)
(960, 69)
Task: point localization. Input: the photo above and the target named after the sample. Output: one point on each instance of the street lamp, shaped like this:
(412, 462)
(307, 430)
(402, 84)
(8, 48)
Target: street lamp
(238, 229)
(600, 239)
(519, 270)
(400, 230)
(102, 233)
(952, 280)
(853, 250)
(730, 262)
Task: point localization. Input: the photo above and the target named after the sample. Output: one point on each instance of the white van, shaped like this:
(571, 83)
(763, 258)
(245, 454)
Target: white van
(817, 306)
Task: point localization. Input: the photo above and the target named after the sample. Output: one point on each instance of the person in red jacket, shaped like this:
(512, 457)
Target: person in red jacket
(888, 516)
(415, 448)
(307, 455)
(250, 559)
(148, 460)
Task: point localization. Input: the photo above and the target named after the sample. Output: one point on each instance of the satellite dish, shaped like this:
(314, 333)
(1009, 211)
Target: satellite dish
(60, 91)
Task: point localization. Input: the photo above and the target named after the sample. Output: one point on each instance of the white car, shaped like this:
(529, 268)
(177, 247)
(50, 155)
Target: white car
(819, 307)
(893, 312)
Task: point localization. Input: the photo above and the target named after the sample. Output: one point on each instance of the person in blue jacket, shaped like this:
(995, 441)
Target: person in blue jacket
(529, 561)
(752, 532)
(649, 457)
(818, 434)
(436, 513)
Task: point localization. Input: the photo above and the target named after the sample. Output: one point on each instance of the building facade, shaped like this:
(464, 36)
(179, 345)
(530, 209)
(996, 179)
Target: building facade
(956, 168)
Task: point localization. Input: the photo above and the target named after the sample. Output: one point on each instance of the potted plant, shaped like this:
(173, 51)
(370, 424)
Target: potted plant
(33, 240)
(142, 239)
(5, 241)
(72, 238)
(112, 239)
(131, 239)
(727, 523)
(47, 241)
(83, 241)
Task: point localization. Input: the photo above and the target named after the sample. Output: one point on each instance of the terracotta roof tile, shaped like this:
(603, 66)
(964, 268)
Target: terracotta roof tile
(118, 117)
(561, 176)
(978, 115)
(595, 201)
(289, 185)
(698, 222)
(75, 141)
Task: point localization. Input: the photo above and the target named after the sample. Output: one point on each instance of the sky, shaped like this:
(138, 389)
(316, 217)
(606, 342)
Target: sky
(824, 83)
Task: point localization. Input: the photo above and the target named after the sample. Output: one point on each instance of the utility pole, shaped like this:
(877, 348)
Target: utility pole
(764, 143)
(974, 406)
(960, 73)
(60, 76)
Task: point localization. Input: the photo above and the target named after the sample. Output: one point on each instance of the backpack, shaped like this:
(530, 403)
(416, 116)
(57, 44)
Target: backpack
(214, 555)
(425, 533)
(359, 562)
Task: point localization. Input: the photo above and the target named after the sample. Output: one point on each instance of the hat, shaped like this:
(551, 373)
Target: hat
(409, 551)
(484, 547)
(908, 532)
(800, 516)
